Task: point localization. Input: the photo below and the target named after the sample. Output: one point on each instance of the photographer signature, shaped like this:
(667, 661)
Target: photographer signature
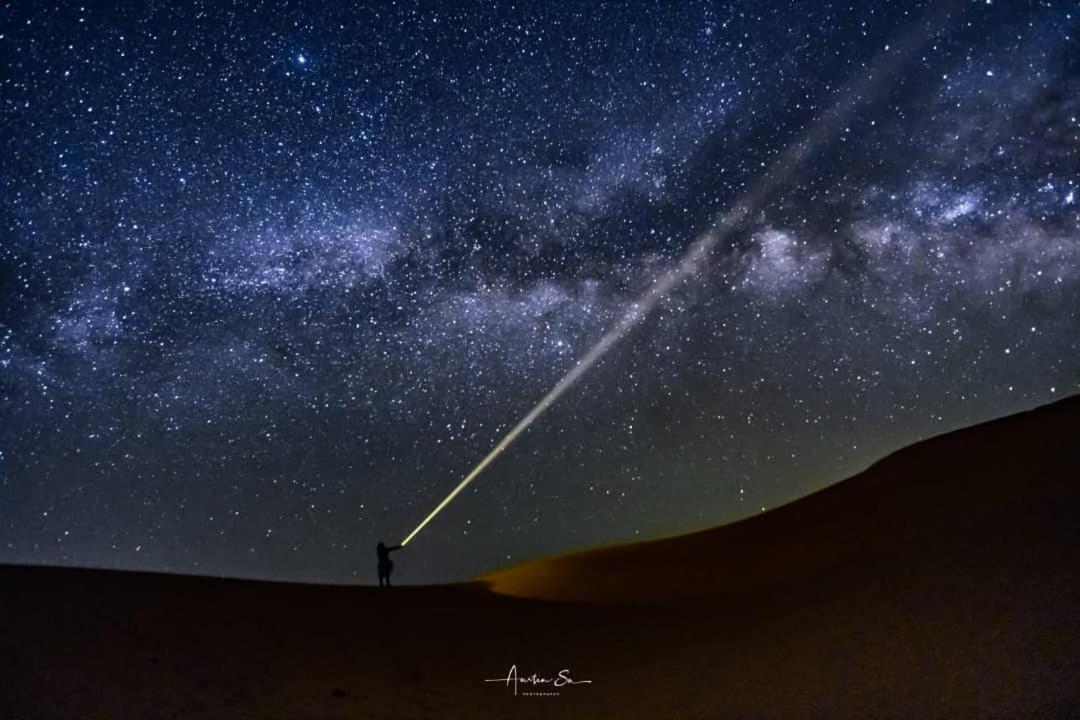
(539, 682)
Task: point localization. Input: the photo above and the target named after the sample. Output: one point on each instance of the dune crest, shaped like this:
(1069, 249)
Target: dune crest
(995, 490)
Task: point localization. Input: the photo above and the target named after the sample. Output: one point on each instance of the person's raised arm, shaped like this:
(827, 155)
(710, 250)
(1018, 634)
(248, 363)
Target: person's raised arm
(396, 547)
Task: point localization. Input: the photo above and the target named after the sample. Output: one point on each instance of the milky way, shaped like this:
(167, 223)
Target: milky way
(274, 278)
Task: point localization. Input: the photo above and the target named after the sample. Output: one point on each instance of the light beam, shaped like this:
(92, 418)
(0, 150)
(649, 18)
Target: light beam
(782, 169)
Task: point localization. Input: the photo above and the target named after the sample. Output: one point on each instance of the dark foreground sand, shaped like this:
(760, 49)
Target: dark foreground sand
(943, 582)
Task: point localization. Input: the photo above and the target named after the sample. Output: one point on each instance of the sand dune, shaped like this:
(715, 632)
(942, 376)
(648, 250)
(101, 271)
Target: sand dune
(942, 582)
(983, 498)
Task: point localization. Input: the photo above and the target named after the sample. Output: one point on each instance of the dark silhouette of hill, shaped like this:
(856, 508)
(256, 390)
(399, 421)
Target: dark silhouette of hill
(997, 498)
(944, 581)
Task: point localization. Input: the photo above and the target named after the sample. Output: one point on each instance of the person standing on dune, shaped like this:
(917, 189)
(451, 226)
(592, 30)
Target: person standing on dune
(386, 566)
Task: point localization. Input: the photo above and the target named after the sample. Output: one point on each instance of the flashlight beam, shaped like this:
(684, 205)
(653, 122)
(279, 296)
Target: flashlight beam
(782, 169)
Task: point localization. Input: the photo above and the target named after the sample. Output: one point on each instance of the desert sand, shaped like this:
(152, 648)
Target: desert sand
(944, 581)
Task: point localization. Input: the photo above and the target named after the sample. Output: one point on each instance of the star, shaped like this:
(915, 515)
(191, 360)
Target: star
(256, 317)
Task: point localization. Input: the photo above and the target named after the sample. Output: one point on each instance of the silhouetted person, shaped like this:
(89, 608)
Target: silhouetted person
(385, 565)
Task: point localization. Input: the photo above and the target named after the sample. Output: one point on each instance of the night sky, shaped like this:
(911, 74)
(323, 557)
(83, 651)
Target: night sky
(275, 276)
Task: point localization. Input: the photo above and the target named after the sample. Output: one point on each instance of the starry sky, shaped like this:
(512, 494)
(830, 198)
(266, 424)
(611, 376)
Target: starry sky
(275, 276)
